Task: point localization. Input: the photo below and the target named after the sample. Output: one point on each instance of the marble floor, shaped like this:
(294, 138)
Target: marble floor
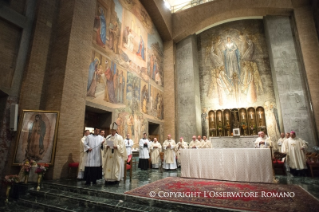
(143, 177)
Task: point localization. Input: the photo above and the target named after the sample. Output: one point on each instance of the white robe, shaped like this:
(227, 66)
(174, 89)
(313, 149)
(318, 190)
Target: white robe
(114, 162)
(94, 158)
(296, 156)
(179, 148)
(206, 144)
(264, 139)
(144, 151)
(280, 142)
(195, 143)
(128, 145)
(169, 155)
(83, 156)
(155, 154)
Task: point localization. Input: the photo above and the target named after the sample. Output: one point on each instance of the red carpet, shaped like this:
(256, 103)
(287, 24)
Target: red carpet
(240, 196)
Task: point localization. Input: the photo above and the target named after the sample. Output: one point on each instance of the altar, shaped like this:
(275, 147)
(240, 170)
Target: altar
(233, 164)
(233, 142)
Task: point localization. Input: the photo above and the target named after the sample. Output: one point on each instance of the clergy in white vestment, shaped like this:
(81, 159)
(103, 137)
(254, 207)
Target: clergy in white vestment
(206, 143)
(179, 147)
(194, 144)
(295, 149)
(93, 166)
(144, 156)
(156, 149)
(199, 138)
(128, 145)
(115, 155)
(83, 155)
(281, 141)
(262, 141)
(284, 150)
(102, 133)
(169, 153)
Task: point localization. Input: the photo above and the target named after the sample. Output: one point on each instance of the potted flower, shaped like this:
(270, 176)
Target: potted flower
(244, 127)
(41, 169)
(8, 181)
(26, 167)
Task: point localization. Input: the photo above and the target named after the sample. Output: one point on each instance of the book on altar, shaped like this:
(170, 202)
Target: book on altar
(110, 143)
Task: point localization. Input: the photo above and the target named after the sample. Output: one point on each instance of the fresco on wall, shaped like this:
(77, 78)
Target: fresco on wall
(235, 69)
(127, 59)
(156, 103)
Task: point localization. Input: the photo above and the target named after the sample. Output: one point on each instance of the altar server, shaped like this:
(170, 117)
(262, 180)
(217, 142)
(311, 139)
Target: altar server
(281, 141)
(206, 143)
(128, 144)
(83, 155)
(262, 141)
(144, 146)
(295, 149)
(93, 166)
(155, 148)
(115, 155)
(194, 144)
(179, 147)
(169, 153)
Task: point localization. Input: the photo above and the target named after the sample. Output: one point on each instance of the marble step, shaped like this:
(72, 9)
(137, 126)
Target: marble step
(97, 191)
(71, 201)
(14, 206)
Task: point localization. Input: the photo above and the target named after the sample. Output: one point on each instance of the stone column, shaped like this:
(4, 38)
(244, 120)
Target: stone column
(287, 72)
(188, 107)
(309, 45)
(66, 79)
(169, 90)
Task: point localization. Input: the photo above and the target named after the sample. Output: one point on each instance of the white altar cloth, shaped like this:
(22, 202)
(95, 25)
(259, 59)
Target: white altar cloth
(233, 164)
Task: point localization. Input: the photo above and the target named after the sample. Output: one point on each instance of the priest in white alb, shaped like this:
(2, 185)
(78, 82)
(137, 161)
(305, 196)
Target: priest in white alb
(156, 149)
(281, 141)
(169, 153)
(194, 144)
(262, 141)
(206, 143)
(295, 149)
(83, 155)
(115, 155)
(93, 166)
(179, 147)
(199, 138)
(128, 145)
(144, 154)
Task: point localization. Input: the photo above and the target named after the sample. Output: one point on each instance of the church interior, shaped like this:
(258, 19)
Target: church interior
(159, 105)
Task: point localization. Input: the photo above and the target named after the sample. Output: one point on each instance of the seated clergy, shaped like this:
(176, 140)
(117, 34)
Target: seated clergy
(180, 146)
(169, 153)
(155, 149)
(115, 155)
(262, 141)
(295, 149)
(206, 143)
(194, 144)
(144, 146)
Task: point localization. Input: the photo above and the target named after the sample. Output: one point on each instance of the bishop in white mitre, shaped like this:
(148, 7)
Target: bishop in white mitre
(93, 166)
(263, 141)
(156, 149)
(280, 141)
(83, 155)
(206, 143)
(194, 144)
(295, 149)
(179, 147)
(144, 155)
(115, 156)
(128, 145)
(169, 153)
